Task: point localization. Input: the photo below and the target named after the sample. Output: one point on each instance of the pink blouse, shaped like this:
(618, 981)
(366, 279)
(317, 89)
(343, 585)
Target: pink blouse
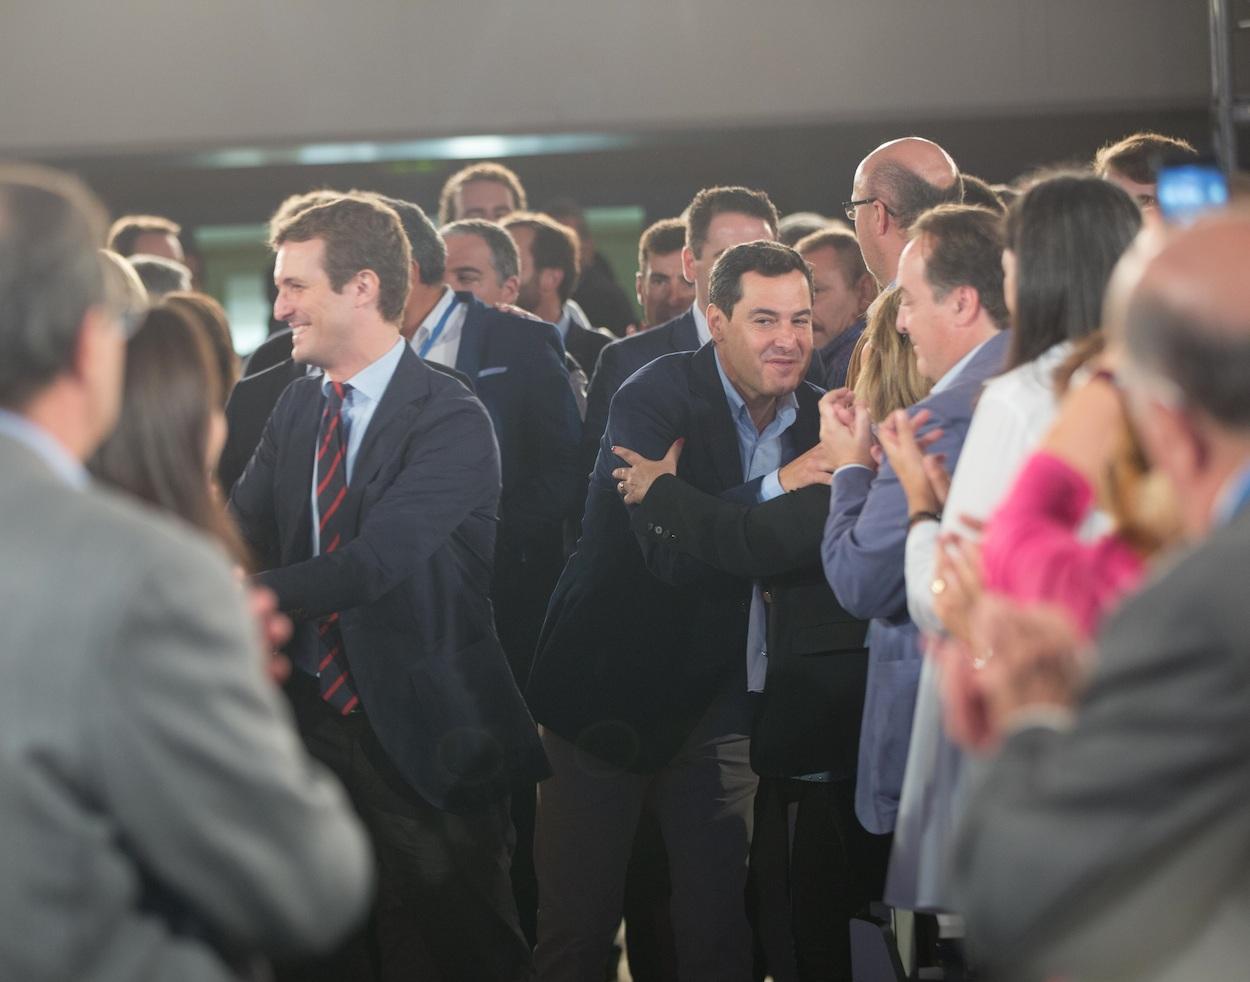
(1031, 552)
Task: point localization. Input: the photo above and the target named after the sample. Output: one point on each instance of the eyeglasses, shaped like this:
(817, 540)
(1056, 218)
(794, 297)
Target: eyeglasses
(849, 206)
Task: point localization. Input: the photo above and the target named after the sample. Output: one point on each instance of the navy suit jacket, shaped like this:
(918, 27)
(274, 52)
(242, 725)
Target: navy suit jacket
(412, 584)
(639, 638)
(863, 554)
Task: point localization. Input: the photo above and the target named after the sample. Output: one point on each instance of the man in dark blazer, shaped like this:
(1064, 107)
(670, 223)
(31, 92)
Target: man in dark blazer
(550, 267)
(1108, 836)
(641, 679)
(371, 506)
(953, 314)
(813, 866)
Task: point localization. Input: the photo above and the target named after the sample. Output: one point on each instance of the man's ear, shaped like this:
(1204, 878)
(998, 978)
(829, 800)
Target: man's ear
(510, 289)
(965, 304)
(365, 286)
(550, 279)
(638, 287)
(98, 328)
(687, 264)
(716, 321)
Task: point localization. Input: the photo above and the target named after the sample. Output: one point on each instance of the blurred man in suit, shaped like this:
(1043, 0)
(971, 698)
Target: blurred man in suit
(147, 762)
(1108, 837)
(844, 289)
(953, 313)
(371, 504)
(151, 235)
(550, 267)
(647, 660)
(598, 295)
(663, 292)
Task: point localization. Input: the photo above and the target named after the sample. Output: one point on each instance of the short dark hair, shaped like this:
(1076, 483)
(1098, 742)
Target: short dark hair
(661, 238)
(293, 204)
(1067, 231)
(51, 274)
(503, 253)
(1137, 156)
(1208, 363)
(126, 230)
(964, 248)
(487, 170)
(555, 247)
(844, 243)
(359, 233)
(763, 257)
(908, 195)
(710, 202)
(429, 251)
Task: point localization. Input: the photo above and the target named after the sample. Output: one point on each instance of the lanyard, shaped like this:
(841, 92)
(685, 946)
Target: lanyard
(1235, 498)
(428, 343)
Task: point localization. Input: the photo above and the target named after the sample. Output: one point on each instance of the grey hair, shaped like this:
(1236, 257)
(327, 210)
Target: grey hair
(909, 195)
(503, 252)
(160, 275)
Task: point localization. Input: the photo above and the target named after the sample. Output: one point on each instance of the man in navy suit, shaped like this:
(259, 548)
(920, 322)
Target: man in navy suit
(952, 311)
(716, 220)
(642, 675)
(371, 506)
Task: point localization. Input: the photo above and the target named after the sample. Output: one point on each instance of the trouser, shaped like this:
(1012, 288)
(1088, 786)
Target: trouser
(444, 909)
(588, 812)
(813, 868)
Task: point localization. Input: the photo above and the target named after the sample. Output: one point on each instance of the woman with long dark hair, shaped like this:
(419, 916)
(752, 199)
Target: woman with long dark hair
(172, 428)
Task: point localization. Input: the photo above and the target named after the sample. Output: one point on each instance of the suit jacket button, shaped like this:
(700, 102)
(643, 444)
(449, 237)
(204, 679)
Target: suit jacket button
(768, 596)
(672, 536)
(659, 531)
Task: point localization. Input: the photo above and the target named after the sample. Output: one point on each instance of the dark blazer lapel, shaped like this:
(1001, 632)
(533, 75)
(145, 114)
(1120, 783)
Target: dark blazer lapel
(805, 432)
(408, 386)
(296, 474)
(711, 417)
(472, 338)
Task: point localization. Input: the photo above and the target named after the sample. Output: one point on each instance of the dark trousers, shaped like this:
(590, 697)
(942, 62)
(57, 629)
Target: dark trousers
(813, 868)
(444, 909)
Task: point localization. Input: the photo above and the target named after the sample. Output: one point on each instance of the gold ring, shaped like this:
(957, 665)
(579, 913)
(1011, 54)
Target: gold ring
(938, 586)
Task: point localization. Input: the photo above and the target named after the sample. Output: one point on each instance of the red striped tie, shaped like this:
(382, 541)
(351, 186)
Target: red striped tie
(336, 681)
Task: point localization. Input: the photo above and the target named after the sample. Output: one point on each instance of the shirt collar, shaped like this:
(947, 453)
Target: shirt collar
(700, 325)
(947, 380)
(445, 301)
(371, 381)
(565, 321)
(787, 405)
(59, 460)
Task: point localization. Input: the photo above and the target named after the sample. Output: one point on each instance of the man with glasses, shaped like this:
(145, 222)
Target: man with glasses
(893, 185)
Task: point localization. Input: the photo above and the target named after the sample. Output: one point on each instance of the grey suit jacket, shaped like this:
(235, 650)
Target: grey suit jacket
(160, 819)
(1120, 849)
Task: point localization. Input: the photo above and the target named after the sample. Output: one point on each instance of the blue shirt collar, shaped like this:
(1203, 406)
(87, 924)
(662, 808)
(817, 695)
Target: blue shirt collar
(787, 407)
(59, 460)
(371, 381)
(947, 380)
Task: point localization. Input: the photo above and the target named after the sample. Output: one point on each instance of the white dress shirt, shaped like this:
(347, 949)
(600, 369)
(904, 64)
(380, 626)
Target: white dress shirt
(700, 324)
(447, 345)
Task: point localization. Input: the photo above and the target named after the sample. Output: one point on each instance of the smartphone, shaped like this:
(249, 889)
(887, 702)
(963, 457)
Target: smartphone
(1188, 189)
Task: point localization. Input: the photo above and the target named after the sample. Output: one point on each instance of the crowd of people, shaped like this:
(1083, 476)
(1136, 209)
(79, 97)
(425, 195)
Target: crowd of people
(869, 606)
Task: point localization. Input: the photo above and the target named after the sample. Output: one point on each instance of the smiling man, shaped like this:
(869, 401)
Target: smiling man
(645, 668)
(951, 277)
(371, 506)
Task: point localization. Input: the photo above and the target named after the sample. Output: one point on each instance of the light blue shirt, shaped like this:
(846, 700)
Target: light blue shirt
(59, 460)
(1233, 497)
(762, 454)
(359, 405)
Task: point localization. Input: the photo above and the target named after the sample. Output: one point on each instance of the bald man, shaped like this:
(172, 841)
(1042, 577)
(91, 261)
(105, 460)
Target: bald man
(892, 186)
(1110, 838)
